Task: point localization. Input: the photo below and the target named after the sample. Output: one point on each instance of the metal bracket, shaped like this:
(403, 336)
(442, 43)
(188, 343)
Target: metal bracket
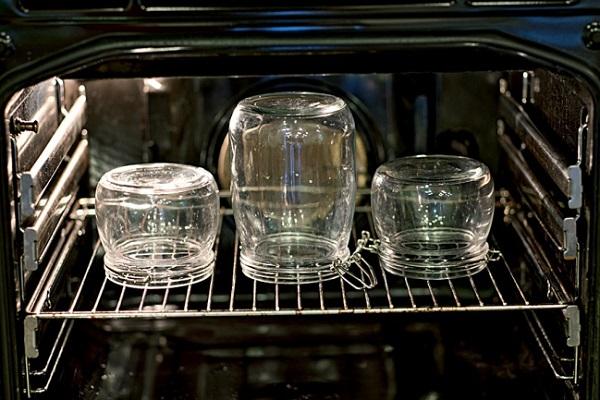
(30, 250)
(570, 238)
(574, 171)
(575, 186)
(530, 87)
(59, 87)
(571, 314)
(30, 328)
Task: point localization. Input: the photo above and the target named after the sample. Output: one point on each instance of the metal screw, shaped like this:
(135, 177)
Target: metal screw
(7, 47)
(18, 126)
(591, 35)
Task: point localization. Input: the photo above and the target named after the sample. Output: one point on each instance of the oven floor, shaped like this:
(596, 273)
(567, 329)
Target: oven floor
(453, 357)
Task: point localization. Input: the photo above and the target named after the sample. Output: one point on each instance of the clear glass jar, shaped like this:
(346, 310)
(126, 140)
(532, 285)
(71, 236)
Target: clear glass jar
(293, 185)
(157, 223)
(433, 215)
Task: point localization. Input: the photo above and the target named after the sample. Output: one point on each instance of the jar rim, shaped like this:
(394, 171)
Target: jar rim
(156, 178)
(293, 104)
(434, 169)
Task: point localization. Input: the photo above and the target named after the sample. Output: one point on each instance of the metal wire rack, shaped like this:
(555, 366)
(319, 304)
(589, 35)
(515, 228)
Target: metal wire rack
(72, 289)
(229, 293)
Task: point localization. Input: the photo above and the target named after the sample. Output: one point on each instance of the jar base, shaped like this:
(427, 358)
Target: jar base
(292, 258)
(158, 263)
(433, 253)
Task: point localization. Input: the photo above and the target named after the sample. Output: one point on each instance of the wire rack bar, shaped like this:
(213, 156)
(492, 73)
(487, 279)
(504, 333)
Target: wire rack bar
(475, 291)
(410, 294)
(254, 308)
(60, 344)
(456, 300)
(87, 270)
(343, 291)
(97, 302)
(143, 299)
(556, 363)
(234, 272)
(493, 280)
(433, 298)
(321, 296)
(212, 277)
(263, 313)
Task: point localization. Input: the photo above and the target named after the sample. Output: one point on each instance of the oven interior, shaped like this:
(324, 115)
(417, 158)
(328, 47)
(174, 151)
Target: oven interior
(514, 329)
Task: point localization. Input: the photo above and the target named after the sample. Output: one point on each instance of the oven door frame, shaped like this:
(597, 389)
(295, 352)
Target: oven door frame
(94, 46)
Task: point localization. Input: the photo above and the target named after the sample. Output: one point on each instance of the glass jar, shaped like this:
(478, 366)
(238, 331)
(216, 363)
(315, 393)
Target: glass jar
(433, 215)
(293, 185)
(157, 224)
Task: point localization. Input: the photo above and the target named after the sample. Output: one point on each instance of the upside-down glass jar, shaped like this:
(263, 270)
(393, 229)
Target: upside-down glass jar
(293, 185)
(433, 215)
(157, 224)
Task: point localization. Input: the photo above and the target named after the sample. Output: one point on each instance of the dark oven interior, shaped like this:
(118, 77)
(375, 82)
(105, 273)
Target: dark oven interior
(513, 330)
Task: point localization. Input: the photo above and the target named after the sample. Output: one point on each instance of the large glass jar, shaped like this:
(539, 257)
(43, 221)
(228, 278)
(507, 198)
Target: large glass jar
(157, 223)
(293, 185)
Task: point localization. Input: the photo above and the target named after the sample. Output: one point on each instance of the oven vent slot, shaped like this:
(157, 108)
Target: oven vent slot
(72, 5)
(520, 3)
(35, 181)
(566, 177)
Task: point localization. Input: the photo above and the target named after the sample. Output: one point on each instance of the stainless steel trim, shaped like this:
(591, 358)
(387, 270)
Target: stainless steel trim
(34, 182)
(562, 229)
(55, 209)
(31, 144)
(541, 199)
(567, 177)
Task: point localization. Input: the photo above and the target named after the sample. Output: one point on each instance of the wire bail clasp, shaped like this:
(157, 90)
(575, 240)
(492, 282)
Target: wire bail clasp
(494, 255)
(342, 266)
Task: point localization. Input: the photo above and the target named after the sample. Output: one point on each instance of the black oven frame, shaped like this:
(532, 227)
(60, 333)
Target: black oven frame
(138, 41)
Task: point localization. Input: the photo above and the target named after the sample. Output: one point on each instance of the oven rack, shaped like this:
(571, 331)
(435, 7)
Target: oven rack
(76, 288)
(229, 293)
